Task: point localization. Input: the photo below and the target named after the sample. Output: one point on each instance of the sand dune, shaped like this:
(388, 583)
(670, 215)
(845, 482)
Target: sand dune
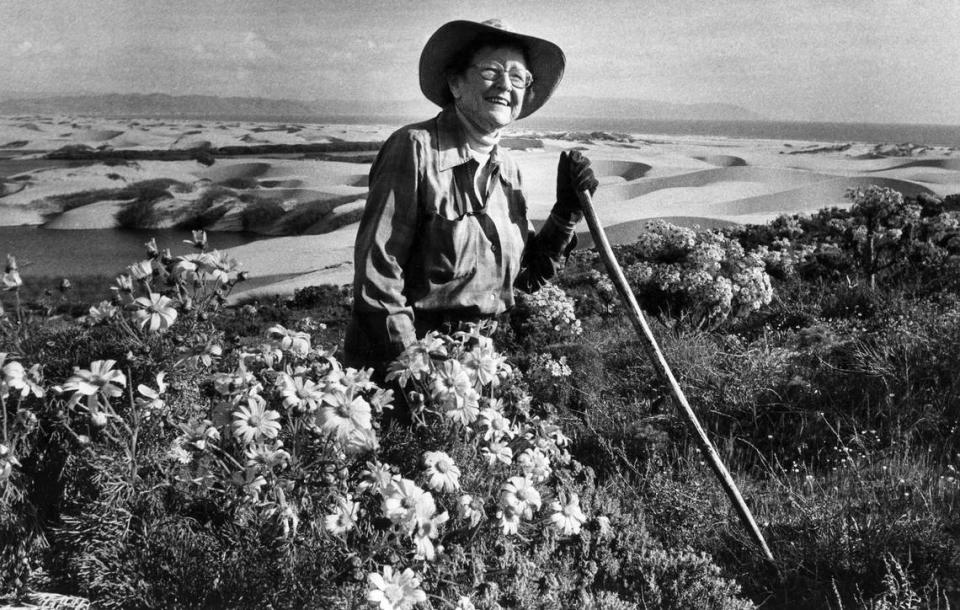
(722, 160)
(687, 180)
(950, 164)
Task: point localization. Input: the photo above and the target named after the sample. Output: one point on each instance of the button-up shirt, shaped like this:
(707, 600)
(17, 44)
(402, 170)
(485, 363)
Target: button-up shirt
(429, 242)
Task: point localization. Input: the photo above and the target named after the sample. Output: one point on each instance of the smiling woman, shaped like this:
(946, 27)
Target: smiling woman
(444, 238)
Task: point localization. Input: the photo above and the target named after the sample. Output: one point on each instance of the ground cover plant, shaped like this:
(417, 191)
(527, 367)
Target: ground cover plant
(164, 450)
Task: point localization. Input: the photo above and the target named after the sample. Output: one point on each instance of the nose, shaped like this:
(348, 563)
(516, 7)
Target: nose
(503, 81)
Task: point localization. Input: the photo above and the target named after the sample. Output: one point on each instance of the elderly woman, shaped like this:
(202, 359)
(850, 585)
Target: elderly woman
(444, 236)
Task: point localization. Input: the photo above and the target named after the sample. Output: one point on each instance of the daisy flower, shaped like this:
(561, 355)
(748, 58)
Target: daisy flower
(264, 455)
(377, 477)
(345, 414)
(102, 312)
(101, 382)
(199, 434)
(509, 521)
(344, 517)
(467, 411)
(467, 511)
(152, 250)
(406, 504)
(253, 421)
(519, 495)
(156, 311)
(359, 441)
(300, 394)
(425, 534)
(7, 462)
(124, 284)
(497, 451)
(442, 473)
(568, 518)
(294, 341)
(219, 265)
(27, 381)
(141, 271)
(149, 400)
(450, 382)
(497, 426)
(199, 240)
(482, 363)
(12, 280)
(394, 590)
(535, 465)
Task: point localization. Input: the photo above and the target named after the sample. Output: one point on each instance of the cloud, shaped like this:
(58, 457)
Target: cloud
(27, 48)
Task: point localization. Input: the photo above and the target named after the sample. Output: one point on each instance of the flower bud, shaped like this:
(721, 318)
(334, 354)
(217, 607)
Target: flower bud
(98, 419)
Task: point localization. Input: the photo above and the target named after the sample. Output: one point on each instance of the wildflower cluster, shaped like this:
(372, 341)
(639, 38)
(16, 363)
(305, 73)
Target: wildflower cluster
(157, 289)
(699, 278)
(546, 316)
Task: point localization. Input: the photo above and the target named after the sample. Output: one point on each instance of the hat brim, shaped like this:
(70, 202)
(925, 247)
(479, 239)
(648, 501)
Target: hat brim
(546, 62)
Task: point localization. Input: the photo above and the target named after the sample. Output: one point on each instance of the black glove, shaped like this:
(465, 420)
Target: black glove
(573, 176)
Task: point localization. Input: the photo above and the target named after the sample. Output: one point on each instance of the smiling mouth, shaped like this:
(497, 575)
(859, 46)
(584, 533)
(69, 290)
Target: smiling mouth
(498, 101)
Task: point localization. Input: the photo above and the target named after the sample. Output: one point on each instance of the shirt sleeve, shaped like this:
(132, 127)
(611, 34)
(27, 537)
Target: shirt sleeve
(546, 249)
(385, 238)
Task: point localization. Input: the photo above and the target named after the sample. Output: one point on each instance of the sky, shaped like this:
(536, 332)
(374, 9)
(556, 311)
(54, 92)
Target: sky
(822, 60)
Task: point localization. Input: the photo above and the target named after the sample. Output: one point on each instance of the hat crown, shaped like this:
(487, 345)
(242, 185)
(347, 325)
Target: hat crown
(498, 23)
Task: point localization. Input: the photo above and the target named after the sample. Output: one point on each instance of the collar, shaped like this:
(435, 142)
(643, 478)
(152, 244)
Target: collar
(452, 147)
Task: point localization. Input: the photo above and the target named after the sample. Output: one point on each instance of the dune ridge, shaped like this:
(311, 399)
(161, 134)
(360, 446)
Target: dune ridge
(307, 184)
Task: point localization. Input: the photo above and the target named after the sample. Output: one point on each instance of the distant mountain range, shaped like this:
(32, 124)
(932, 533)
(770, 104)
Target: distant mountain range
(160, 104)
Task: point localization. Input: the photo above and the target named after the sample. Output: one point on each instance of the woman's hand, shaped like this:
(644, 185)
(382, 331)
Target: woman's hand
(573, 176)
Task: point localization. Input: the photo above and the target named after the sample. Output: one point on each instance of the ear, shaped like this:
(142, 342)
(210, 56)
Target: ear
(455, 82)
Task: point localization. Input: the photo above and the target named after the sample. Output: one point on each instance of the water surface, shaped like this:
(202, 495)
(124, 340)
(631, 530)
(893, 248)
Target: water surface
(51, 253)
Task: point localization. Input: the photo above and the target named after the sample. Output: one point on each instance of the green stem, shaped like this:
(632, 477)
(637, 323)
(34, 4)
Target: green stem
(3, 406)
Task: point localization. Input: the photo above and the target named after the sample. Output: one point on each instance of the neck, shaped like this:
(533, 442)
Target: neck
(478, 139)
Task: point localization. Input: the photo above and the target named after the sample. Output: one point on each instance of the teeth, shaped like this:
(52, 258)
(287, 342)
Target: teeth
(497, 100)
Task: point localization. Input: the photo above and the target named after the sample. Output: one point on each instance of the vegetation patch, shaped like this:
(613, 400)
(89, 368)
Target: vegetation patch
(165, 451)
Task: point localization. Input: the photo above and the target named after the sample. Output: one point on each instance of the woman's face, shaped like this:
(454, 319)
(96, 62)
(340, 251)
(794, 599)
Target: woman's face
(489, 105)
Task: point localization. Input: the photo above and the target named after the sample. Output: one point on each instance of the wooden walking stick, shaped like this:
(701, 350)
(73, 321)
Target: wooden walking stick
(663, 370)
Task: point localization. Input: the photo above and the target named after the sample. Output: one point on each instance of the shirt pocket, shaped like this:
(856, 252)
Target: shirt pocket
(451, 248)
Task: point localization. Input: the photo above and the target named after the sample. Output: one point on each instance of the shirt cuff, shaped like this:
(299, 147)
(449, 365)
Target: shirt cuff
(400, 329)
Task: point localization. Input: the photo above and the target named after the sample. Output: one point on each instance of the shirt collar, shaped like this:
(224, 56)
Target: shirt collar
(452, 147)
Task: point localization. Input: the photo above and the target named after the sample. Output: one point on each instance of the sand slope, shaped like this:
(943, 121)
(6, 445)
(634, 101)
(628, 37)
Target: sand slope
(314, 204)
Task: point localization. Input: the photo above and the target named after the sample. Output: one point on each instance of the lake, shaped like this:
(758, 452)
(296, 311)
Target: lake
(52, 253)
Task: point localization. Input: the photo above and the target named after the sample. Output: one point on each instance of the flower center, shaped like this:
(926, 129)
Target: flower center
(255, 421)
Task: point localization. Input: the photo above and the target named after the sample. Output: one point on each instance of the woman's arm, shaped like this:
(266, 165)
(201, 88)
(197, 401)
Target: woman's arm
(556, 237)
(385, 237)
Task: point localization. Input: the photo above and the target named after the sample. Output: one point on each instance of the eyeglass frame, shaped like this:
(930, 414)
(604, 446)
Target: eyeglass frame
(501, 70)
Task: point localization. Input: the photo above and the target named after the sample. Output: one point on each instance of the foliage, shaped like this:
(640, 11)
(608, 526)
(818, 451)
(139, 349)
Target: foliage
(696, 279)
(166, 451)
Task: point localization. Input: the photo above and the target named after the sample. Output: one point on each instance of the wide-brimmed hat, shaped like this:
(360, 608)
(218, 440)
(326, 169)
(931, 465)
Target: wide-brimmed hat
(545, 60)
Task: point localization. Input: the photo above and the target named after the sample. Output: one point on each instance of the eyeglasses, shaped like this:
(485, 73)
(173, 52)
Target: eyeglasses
(519, 78)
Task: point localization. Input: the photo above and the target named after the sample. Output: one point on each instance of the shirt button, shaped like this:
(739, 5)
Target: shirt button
(494, 248)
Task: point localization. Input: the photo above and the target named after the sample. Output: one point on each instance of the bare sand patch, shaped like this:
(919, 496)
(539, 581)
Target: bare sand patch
(99, 215)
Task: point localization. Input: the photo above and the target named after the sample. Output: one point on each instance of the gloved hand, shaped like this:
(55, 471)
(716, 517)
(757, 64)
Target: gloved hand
(573, 175)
